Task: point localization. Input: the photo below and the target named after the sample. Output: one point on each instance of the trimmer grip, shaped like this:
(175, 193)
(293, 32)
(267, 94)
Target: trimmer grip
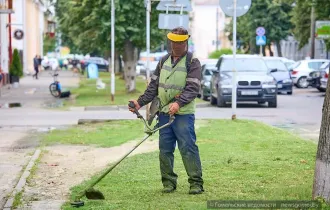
(131, 104)
(172, 118)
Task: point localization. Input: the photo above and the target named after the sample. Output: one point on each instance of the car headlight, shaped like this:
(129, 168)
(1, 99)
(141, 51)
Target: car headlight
(269, 82)
(287, 81)
(225, 82)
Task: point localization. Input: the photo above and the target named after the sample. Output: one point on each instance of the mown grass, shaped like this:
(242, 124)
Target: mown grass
(88, 95)
(241, 160)
(107, 134)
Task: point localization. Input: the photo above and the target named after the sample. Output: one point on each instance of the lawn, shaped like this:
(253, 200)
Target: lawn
(88, 95)
(241, 160)
(101, 134)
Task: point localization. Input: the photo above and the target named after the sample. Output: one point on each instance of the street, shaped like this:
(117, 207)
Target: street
(299, 113)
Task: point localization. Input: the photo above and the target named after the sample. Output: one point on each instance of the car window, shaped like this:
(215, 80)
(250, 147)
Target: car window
(325, 65)
(243, 64)
(314, 65)
(295, 65)
(276, 64)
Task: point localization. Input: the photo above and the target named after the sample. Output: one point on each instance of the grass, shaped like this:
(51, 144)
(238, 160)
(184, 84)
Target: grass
(88, 95)
(102, 134)
(18, 199)
(241, 160)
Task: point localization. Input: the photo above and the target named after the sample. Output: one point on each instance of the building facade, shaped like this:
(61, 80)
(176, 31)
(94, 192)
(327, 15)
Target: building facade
(207, 26)
(31, 17)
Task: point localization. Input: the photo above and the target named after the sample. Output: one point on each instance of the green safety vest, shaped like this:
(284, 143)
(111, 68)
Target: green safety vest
(171, 83)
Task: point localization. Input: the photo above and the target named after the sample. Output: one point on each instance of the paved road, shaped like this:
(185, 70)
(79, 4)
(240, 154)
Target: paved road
(300, 112)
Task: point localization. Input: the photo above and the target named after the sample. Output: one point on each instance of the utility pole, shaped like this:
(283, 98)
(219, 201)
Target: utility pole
(148, 11)
(312, 52)
(234, 88)
(217, 30)
(112, 50)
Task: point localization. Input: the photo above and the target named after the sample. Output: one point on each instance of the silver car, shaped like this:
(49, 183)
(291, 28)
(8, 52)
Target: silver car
(254, 81)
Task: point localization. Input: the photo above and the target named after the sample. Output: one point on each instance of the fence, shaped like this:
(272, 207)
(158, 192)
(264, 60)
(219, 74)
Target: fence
(290, 50)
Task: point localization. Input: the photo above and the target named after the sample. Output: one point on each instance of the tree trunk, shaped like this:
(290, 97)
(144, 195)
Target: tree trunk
(279, 49)
(321, 187)
(270, 50)
(130, 60)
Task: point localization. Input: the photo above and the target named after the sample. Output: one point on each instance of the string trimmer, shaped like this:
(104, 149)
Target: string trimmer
(93, 194)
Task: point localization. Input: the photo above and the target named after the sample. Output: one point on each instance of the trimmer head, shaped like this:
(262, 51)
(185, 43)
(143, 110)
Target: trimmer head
(77, 204)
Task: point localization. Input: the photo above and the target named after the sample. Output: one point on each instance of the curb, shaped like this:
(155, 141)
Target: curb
(22, 181)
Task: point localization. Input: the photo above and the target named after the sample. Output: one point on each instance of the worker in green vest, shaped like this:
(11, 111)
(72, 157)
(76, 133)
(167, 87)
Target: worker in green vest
(176, 83)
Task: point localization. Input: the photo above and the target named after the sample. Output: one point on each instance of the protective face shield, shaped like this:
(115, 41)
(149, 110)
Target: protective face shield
(179, 43)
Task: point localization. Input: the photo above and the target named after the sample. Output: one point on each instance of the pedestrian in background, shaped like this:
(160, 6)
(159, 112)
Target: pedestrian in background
(36, 66)
(39, 61)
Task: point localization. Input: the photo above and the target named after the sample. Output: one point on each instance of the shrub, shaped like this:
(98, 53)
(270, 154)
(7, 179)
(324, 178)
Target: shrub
(16, 68)
(218, 53)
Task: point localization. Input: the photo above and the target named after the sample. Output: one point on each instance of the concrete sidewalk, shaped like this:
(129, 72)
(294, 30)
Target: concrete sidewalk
(33, 93)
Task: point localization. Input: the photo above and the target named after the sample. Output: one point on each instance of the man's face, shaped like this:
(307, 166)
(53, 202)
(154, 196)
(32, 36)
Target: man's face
(178, 48)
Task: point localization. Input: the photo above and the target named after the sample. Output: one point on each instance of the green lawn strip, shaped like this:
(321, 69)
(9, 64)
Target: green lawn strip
(107, 134)
(88, 95)
(242, 160)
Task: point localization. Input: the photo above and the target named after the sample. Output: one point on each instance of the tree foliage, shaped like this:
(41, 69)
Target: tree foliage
(273, 15)
(86, 28)
(16, 68)
(301, 19)
(85, 24)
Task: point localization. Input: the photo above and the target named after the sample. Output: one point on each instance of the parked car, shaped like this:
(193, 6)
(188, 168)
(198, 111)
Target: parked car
(281, 75)
(254, 82)
(314, 78)
(102, 64)
(141, 67)
(324, 78)
(301, 70)
(287, 62)
(207, 67)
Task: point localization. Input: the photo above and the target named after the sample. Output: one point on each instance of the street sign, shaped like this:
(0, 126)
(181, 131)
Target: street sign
(322, 29)
(242, 7)
(174, 5)
(260, 31)
(171, 21)
(261, 40)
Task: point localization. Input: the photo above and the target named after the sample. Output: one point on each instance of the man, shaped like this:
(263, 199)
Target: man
(177, 86)
(36, 66)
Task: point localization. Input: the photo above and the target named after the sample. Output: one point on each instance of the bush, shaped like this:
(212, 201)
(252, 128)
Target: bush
(218, 53)
(16, 68)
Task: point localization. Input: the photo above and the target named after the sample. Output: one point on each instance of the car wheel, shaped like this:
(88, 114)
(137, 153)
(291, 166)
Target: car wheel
(289, 93)
(273, 103)
(302, 82)
(220, 101)
(321, 90)
(202, 96)
(213, 100)
(261, 102)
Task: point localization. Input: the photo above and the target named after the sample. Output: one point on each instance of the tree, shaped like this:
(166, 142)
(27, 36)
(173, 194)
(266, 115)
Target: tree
(86, 26)
(273, 15)
(321, 187)
(49, 44)
(301, 19)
